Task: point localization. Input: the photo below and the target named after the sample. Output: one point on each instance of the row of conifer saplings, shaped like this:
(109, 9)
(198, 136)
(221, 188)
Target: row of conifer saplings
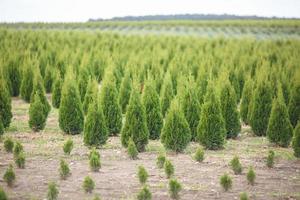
(95, 164)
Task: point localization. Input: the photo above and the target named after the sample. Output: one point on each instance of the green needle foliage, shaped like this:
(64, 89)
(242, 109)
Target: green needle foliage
(294, 103)
(236, 165)
(142, 174)
(132, 150)
(64, 170)
(296, 140)
(244, 196)
(8, 145)
(95, 129)
(37, 118)
(229, 110)
(226, 182)
(27, 83)
(56, 91)
(95, 163)
(160, 160)
(211, 128)
(48, 79)
(169, 168)
(111, 108)
(68, 146)
(9, 176)
(199, 155)
(3, 195)
(1, 128)
(18, 148)
(90, 95)
(71, 117)
(251, 176)
(261, 108)
(20, 160)
(151, 103)
(83, 82)
(167, 94)
(135, 126)
(270, 159)
(176, 133)
(191, 107)
(246, 98)
(144, 194)
(174, 188)
(5, 104)
(13, 75)
(280, 130)
(52, 193)
(125, 91)
(88, 184)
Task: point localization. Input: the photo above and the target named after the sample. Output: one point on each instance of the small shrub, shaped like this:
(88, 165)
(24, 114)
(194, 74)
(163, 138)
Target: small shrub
(132, 150)
(94, 152)
(270, 159)
(95, 163)
(52, 191)
(199, 155)
(174, 188)
(144, 194)
(18, 148)
(236, 165)
(9, 176)
(142, 174)
(96, 197)
(64, 170)
(244, 196)
(88, 184)
(68, 146)
(3, 195)
(8, 145)
(169, 168)
(20, 160)
(160, 161)
(296, 141)
(226, 182)
(251, 176)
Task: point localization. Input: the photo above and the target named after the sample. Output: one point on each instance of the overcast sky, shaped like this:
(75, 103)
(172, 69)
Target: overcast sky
(82, 10)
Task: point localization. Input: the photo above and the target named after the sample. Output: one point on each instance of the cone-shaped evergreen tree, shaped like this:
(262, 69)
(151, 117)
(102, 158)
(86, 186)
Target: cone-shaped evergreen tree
(71, 117)
(37, 116)
(296, 140)
(83, 82)
(167, 94)
(191, 107)
(111, 107)
(176, 133)
(14, 76)
(125, 90)
(135, 122)
(294, 104)
(201, 82)
(211, 128)
(90, 95)
(5, 104)
(261, 108)
(229, 110)
(38, 88)
(56, 93)
(27, 84)
(152, 107)
(95, 129)
(48, 79)
(246, 98)
(280, 130)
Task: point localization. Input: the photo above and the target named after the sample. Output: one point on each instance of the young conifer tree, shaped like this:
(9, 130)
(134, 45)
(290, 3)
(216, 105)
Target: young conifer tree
(229, 110)
(83, 81)
(27, 83)
(37, 116)
(294, 103)
(90, 95)
(296, 140)
(211, 128)
(56, 92)
(5, 104)
(280, 130)
(48, 79)
(135, 122)
(166, 94)
(246, 98)
(125, 90)
(151, 103)
(71, 117)
(176, 133)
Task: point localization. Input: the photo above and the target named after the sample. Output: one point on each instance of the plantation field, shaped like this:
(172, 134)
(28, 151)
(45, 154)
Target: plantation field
(117, 178)
(87, 112)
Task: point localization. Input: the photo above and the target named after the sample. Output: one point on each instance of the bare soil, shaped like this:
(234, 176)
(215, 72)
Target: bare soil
(117, 177)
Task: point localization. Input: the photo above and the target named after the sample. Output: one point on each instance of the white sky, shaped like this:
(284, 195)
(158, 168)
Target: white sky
(82, 10)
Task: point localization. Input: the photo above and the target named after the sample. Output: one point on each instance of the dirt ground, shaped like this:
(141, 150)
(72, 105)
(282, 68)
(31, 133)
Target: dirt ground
(117, 178)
